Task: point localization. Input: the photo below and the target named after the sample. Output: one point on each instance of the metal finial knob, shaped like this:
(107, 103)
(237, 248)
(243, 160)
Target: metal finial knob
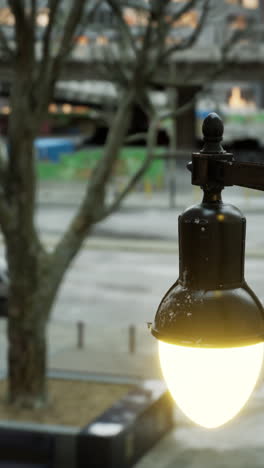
(213, 129)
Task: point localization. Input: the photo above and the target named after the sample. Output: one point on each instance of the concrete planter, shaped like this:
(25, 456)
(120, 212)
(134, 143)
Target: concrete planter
(116, 439)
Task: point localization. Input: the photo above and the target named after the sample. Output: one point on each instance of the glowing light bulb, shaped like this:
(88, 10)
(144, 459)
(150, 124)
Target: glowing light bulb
(211, 385)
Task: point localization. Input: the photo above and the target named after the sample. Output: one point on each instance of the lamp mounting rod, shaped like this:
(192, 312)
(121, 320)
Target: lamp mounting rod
(213, 168)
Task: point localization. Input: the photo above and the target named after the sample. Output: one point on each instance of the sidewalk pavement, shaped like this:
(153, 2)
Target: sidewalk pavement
(144, 223)
(105, 350)
(239, 444)
(69, 194)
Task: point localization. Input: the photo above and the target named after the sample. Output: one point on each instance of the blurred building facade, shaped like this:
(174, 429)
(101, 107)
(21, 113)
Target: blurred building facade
(225, 17)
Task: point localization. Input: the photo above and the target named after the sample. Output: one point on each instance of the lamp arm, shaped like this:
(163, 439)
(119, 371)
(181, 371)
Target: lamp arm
(243, 174)
(223, 171)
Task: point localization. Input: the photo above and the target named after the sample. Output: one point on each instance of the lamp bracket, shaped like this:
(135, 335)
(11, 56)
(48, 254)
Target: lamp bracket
(243, 174)
(227, 173)
(214, 168)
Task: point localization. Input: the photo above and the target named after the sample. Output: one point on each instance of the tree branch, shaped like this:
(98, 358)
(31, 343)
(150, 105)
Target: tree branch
(223, 62)
(5, 46)
(186, 7)
(161, 32)
(51, 66)
(87, 16)
(25, 31)
(53, 6)
(125, 29)
(114, 65)
(17, 8)
(131, 184)
(136, 137)
(190, 41)
(33, 12)
(72, 22)
(94, 197)
(32, 26)
(151, 137)
(143, 54)
(153, 131)
(18, 11)
(151, 144)
(143, 100)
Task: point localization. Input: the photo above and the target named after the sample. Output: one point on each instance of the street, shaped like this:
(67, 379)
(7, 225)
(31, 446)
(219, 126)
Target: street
(125, 286)
(131, 259)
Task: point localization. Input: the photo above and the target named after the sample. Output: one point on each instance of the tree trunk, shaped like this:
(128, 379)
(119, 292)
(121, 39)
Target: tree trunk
(31, 296)
(26, 322)
(26, 358)
(26, 317)
(32, 293)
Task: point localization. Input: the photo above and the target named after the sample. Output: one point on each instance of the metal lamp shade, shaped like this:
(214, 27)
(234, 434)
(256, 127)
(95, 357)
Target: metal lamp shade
(211, 319)
(210, 305)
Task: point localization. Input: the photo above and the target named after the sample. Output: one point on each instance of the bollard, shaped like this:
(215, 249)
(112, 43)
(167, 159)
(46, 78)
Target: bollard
(147, 188)
(196, 194)
(132, 339)
(246, 193)
(80, 335)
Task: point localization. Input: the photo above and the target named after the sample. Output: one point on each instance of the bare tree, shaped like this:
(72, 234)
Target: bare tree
(33, 276)
(142, 55)
(35, 273)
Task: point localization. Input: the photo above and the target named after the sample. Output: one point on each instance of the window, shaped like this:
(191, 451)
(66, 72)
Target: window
(252, 4)
(135, 18)
(173, 40)
(6, 17)
(189, 19)
(239, 22)
(82, 40)
(102, 40)
(43, 17)
(130, 16)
